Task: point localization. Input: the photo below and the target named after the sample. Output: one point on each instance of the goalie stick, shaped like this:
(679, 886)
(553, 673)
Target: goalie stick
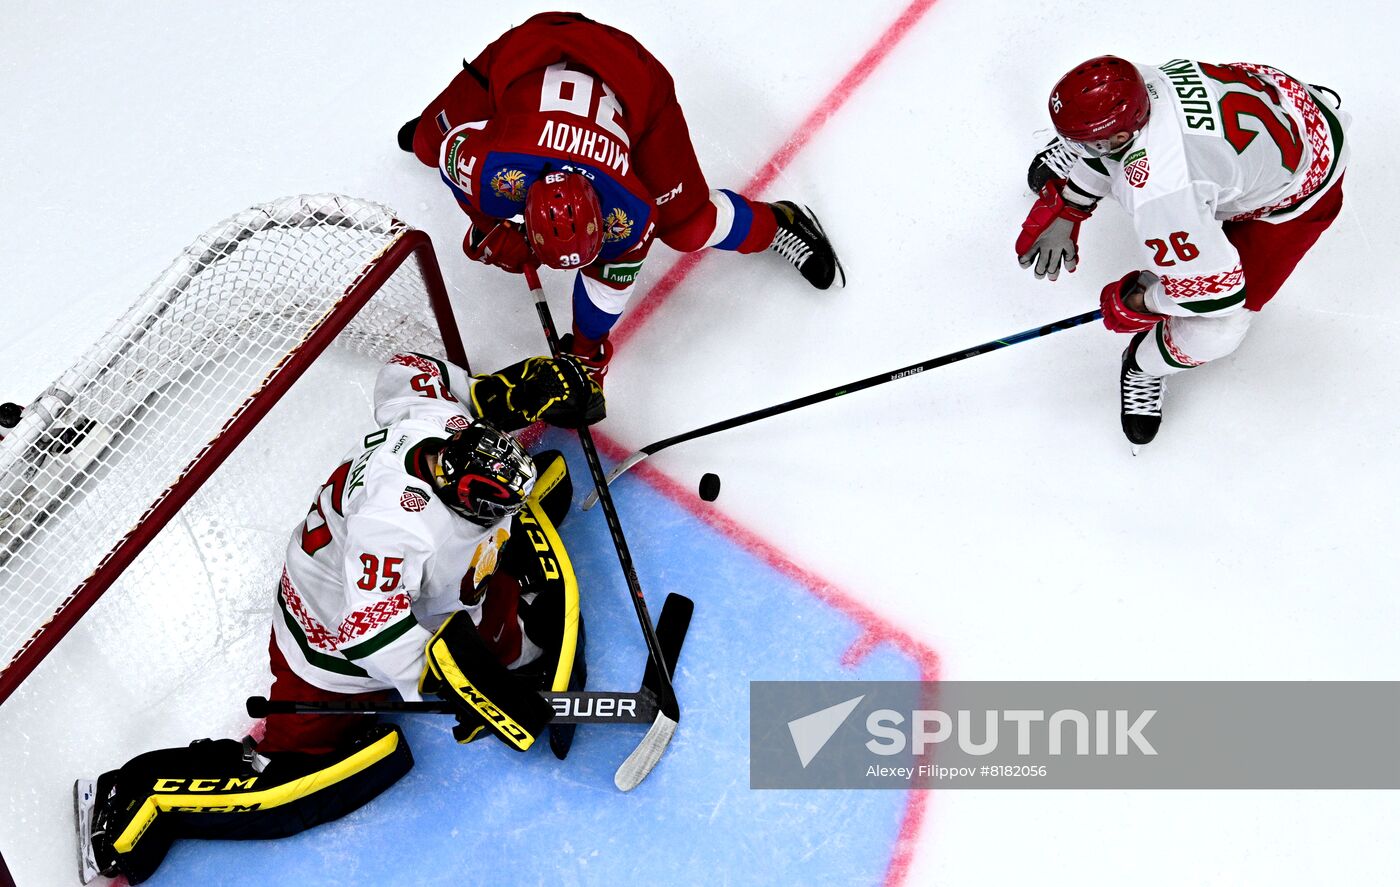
(648, 752)
(574, 707)
(570, 707)
(914, 369)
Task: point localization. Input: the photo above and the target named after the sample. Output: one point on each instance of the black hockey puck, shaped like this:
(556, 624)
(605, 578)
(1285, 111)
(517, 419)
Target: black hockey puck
(709, 487)
(10, 414)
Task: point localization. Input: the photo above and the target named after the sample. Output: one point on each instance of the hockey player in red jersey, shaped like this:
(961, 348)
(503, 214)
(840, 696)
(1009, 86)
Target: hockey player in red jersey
(427, 564)
(574, 126)
(1230, 174)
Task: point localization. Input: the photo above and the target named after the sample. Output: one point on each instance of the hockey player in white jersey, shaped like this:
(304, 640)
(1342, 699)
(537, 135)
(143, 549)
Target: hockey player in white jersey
(1230, 174)
(402, 579)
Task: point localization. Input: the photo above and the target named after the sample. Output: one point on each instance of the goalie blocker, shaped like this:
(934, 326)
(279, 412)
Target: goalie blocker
(128, 819)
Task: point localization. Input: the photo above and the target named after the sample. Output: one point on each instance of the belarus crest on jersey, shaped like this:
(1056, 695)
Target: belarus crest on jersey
(1135, 168)
(457, 423)
(509, 184)
(413, 499)
(616, 226)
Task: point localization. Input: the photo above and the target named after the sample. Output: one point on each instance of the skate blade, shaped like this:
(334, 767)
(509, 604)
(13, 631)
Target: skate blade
(1136, 448)
(84, 797)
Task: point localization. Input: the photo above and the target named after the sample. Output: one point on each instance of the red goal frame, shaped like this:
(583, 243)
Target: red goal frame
(413, 244)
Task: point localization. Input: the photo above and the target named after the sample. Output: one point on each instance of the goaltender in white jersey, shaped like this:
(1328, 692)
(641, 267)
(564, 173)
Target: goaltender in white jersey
(381, 560)
(401, 579)
(1229, 173)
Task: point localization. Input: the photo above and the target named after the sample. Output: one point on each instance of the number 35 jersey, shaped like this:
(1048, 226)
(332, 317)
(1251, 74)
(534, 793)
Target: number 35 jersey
(1224, 143)
(380, 561)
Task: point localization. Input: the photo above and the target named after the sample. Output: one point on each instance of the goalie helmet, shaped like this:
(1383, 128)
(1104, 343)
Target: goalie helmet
(563, 220)
(1097, 99)
(483, 474)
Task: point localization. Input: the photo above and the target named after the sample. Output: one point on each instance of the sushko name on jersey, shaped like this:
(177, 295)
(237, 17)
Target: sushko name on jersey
(1223, 143)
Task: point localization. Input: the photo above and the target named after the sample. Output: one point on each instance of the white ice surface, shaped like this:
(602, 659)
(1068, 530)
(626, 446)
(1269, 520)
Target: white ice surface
(1254, 540)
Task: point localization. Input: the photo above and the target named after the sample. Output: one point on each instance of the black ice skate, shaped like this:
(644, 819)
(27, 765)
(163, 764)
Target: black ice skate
(1141, 400)
(801, 240)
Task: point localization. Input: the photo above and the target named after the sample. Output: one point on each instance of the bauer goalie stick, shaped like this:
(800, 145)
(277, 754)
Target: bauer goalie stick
(570, 707)
(913, 369)
(647, 754)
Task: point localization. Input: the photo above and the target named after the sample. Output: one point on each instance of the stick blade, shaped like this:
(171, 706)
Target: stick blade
(614, 475)
(671, 629)
(646, 755)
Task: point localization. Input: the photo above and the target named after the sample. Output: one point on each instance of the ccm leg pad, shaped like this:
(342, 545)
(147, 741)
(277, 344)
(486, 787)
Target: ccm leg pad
(213, 789)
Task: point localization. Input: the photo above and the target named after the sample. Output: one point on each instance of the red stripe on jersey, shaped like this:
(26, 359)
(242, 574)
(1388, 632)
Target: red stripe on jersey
(1204, 285)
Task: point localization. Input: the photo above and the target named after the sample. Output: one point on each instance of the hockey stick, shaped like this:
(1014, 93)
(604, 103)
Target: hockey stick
(571, 707)
(914, 369)
(647, 754)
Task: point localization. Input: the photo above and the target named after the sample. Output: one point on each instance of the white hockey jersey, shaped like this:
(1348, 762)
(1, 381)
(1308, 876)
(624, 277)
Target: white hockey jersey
(1223, 143)
(380, 562)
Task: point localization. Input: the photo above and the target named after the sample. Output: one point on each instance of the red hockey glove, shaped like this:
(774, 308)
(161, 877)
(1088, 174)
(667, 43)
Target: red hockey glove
(503, 246)
(1050, 233)
(1117, 316)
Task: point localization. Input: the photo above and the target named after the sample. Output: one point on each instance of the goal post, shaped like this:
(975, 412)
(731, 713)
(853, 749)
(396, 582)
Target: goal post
(108, 454)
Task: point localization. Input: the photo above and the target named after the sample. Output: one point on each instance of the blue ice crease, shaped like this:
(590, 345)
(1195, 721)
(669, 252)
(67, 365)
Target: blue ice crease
(482, 814)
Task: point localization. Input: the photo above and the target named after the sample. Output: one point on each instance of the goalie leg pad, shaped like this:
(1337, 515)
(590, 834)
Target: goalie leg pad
(550, 612)
(463, 670)
(554, 488)
(216, 789)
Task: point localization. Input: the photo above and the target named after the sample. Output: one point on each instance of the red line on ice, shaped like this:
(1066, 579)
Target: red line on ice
(874, 628)
(833, 101)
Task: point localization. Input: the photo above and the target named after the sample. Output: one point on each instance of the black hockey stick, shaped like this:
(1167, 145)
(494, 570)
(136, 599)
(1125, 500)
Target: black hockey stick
(647, 754)
(571, 707)
(914, 369)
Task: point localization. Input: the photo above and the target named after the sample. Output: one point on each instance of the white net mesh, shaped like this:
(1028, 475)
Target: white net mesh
(96, 451)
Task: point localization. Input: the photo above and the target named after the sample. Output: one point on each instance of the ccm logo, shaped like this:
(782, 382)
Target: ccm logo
(598, 707)
(670, 195)
(490, 712)
(203, 785)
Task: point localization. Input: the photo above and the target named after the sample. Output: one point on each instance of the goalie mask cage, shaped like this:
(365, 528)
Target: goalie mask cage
(106, 456)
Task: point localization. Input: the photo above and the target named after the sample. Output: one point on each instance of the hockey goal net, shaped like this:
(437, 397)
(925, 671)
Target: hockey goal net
(104, 458)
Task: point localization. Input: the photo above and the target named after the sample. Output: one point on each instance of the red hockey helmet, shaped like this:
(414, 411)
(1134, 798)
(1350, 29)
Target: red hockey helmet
(563, 220)
(1097, 99)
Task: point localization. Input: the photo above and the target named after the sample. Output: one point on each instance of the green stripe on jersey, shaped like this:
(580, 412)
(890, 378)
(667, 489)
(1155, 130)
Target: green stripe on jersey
(1167, 355)
(1335, 126)
(386, 636)
(1208, 305)
(321, 660)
